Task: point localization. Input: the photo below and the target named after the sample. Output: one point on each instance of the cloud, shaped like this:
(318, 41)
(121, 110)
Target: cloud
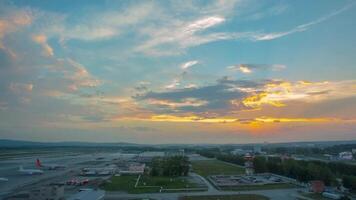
(42, 40)
(20, 88)
(246, 69)
(300, 28)
(174, 39)
(3, 105)
(250, 68)
(280, 93)
(216, 97)
(252, 122)
(175, 83)
(179, 35)
(228, 97)
(189, 64)
(13, 20)
(203, 24)
(99, 25)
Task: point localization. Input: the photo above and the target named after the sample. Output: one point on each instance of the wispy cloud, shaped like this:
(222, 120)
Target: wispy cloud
(101, 25)
(42, 40)
(181, 35)
(21, 88)
(189, 64)
(250, 68)
(300, 28)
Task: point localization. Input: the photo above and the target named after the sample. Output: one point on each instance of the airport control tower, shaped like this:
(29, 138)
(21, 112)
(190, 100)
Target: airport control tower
(249, 164)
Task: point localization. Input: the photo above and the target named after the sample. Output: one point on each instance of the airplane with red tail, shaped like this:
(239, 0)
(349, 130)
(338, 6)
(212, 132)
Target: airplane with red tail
(48, 166)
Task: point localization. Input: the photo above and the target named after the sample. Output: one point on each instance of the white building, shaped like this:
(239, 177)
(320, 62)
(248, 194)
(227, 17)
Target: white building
(133, 168)
(345, 155)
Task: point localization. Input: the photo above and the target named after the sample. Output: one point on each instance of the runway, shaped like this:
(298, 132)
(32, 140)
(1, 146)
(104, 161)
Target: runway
(18, 181)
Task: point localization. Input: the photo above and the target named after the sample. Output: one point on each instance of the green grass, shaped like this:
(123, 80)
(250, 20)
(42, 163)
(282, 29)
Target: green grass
(227, 197)
(260, 187)
(127, 183)
(121, 183)
(315, 196)
(215, 167)
(166, 182)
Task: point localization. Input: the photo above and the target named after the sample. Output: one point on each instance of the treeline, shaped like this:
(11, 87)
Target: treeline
(216, 153)
(170, 166)
(300, 170)
(305, 171)
(335, 149)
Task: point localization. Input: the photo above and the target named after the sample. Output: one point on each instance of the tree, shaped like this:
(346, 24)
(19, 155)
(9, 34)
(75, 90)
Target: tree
(349, 182)
(170, 166)
(259, 164)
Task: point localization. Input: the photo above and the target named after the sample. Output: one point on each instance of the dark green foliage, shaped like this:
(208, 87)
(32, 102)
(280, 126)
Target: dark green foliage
(300, 170)
(170, 166)
(259, 164)
(239, 160)
(349, 182)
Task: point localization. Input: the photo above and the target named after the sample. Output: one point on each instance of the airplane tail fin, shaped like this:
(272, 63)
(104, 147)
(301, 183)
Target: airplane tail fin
(38, 163)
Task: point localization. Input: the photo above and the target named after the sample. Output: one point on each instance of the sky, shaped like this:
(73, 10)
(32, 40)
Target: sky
(200, 71)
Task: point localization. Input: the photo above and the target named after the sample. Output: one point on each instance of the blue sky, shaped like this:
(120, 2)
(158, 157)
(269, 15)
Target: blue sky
(197, 71)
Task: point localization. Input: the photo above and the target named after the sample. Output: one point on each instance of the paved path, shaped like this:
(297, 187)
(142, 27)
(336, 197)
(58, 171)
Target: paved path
(277, 194)
(211, 188)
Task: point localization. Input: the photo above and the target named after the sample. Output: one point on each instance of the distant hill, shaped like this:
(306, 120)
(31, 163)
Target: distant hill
(21, 143)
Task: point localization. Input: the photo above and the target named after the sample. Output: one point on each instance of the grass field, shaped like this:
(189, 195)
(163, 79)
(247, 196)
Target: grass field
(314, 196)
(166, 182)
(227, 197)
(147, 184)
(215, 167)
(260, 187)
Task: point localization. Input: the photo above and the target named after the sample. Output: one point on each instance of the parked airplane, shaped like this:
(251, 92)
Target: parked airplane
(3, 179)
(48, 166)
(30, 171)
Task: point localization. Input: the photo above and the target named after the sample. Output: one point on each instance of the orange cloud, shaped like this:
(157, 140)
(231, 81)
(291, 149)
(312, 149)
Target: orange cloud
(42, 40)
(185, 102)
(277, 94)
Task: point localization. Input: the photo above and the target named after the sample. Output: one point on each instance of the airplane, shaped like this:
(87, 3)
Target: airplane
(3, 179)
(30, 171)
(48, 166)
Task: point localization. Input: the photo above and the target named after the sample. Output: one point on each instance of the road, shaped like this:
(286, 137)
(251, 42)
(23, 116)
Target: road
(211, 188)
(277, 194)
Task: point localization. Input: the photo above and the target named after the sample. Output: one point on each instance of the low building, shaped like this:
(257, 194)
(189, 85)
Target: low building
(103, 171)
(133, 168)
(347, 155)
(317, 186)
(180, 152)
(88, 195)
(147, 156)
